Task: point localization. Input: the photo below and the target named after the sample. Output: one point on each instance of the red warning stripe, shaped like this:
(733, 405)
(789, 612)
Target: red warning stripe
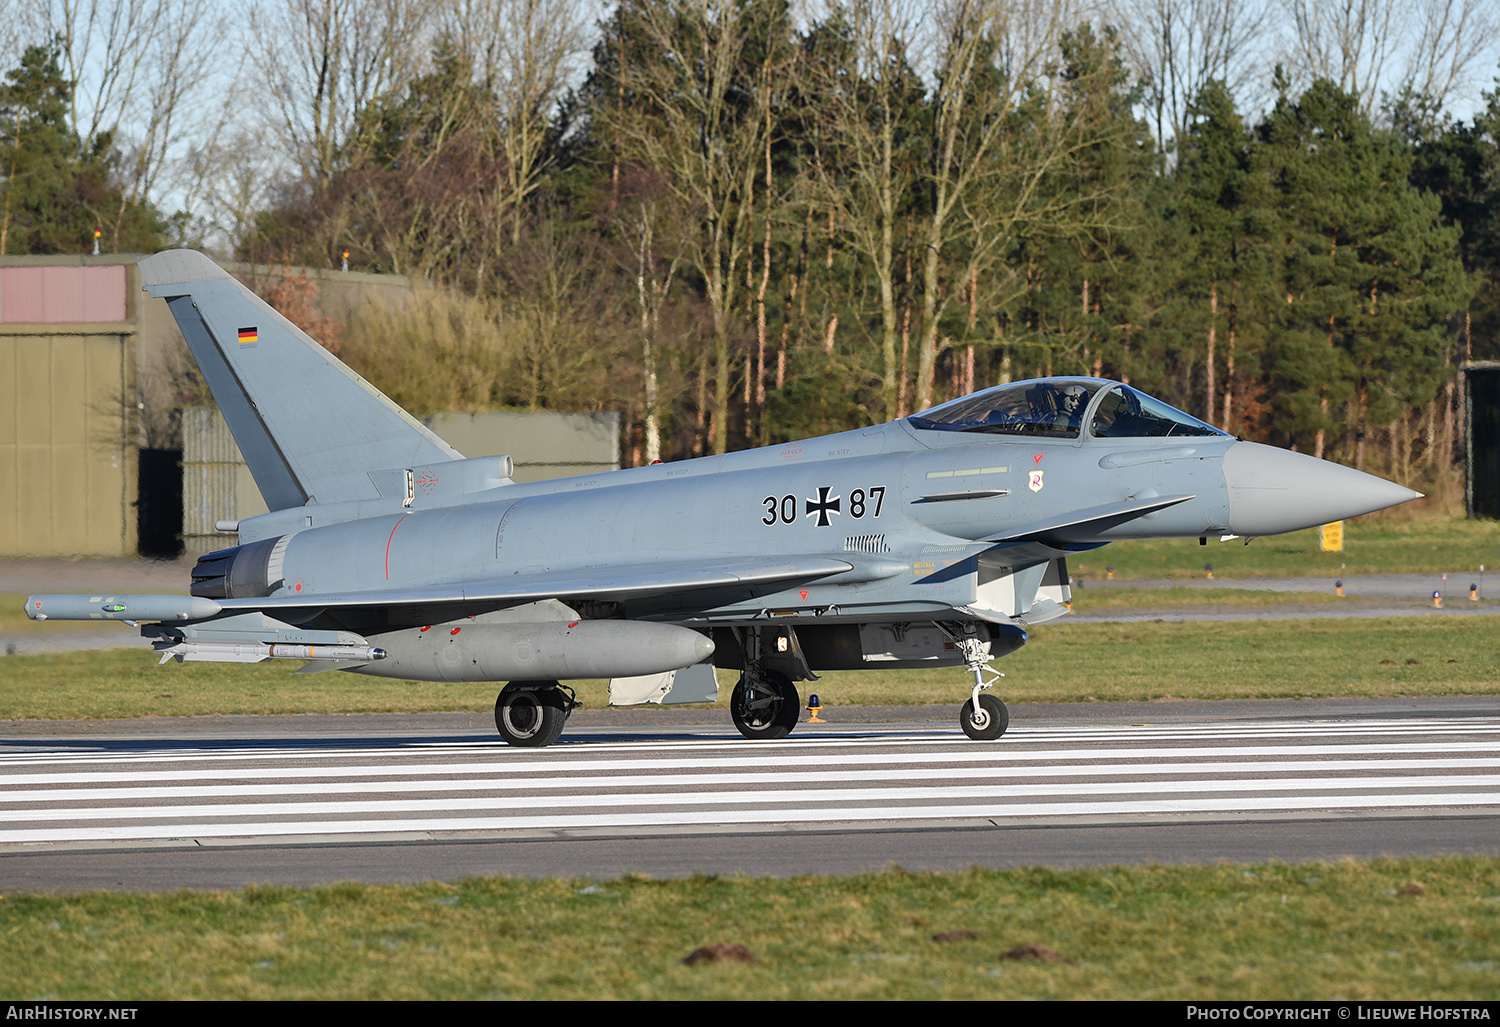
(388, 549)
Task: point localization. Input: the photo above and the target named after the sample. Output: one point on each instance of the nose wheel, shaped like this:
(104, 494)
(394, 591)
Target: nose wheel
(985, 722)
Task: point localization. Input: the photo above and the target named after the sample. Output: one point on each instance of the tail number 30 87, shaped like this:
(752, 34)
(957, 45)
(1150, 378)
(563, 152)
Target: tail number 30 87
(823, 506)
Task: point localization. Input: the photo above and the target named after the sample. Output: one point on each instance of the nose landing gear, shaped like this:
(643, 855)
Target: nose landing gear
(984, 718)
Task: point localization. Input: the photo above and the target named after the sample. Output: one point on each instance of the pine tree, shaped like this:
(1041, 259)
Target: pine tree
(1369, 274)
(1460, 165)
(1094, 299)
(1215, 203)
(55, 193)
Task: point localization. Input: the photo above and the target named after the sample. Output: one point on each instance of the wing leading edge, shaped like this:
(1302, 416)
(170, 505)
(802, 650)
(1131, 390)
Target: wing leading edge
(1085, 525)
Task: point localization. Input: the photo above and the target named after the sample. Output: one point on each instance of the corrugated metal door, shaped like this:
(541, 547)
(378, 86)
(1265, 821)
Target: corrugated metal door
(65, 475)
(67, 467)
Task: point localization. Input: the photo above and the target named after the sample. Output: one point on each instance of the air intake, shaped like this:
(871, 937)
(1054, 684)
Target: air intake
(243, 572)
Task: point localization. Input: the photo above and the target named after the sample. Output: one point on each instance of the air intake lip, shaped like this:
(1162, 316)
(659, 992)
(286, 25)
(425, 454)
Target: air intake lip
(243, 572)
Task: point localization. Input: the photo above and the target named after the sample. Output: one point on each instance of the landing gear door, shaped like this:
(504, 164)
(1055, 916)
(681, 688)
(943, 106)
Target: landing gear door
(1055, 583)
(691, 684)
(1054, 595)
(1035, 592)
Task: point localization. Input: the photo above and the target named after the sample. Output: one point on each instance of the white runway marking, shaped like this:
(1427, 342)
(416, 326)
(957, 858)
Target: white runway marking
(83, 791)
(755, 756)
(798, 744)
(783, 778)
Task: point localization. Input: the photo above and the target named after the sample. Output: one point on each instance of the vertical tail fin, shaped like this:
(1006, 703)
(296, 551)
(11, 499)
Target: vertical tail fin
(309, 427)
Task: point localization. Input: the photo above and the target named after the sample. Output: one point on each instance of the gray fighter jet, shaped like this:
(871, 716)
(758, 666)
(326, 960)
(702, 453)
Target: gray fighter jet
(931, 541)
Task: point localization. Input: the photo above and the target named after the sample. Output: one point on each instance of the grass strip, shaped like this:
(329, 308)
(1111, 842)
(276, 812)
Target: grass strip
(1379, 930)
(1315, 658)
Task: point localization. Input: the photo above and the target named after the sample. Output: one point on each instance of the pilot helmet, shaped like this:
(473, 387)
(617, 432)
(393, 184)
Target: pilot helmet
(1075, 392)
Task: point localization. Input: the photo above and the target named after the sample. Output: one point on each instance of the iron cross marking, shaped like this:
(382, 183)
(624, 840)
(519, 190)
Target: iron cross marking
(823, 506)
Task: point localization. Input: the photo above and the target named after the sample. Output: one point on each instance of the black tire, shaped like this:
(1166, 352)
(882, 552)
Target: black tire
(991, 721)
(773, 721)
(530, 714)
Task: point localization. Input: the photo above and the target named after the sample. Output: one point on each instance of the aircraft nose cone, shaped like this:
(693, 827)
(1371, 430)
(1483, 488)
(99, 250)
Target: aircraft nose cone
(1272, 490)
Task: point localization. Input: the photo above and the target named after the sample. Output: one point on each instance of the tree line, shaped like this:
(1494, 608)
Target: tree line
(743, 227)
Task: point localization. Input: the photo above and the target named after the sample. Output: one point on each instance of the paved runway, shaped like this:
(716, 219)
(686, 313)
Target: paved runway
(221, 811)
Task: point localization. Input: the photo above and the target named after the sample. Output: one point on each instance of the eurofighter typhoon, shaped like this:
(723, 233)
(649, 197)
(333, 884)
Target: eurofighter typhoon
(931, 541)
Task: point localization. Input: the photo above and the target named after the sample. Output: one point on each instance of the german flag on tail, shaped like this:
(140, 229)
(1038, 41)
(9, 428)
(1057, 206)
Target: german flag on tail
(248, 335)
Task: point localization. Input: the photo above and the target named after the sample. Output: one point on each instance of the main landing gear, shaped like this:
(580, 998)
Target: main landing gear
(532, 713)
(984, 718)
(764, 705)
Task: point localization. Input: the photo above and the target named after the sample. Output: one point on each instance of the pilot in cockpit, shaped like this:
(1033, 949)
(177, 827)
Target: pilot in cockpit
(1074, 399)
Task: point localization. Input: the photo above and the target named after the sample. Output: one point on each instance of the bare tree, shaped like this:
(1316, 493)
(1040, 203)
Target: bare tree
(1178, 46)
(238, 178)
(106, 47)
(16, 33)
(860, 170)
(1006, 126)
(1348, 43)
(652, 286)
(324, 61)
(1453, 37)
(1371, 47)
(525, 54)
(180, 62)
(699, 117)
(139, 70)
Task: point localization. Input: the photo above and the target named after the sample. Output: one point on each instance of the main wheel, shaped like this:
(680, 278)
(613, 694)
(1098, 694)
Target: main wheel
(770, 714)
(530, 713)
(986, 723)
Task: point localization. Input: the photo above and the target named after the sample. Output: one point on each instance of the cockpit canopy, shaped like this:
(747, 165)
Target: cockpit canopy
(1058, 408)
